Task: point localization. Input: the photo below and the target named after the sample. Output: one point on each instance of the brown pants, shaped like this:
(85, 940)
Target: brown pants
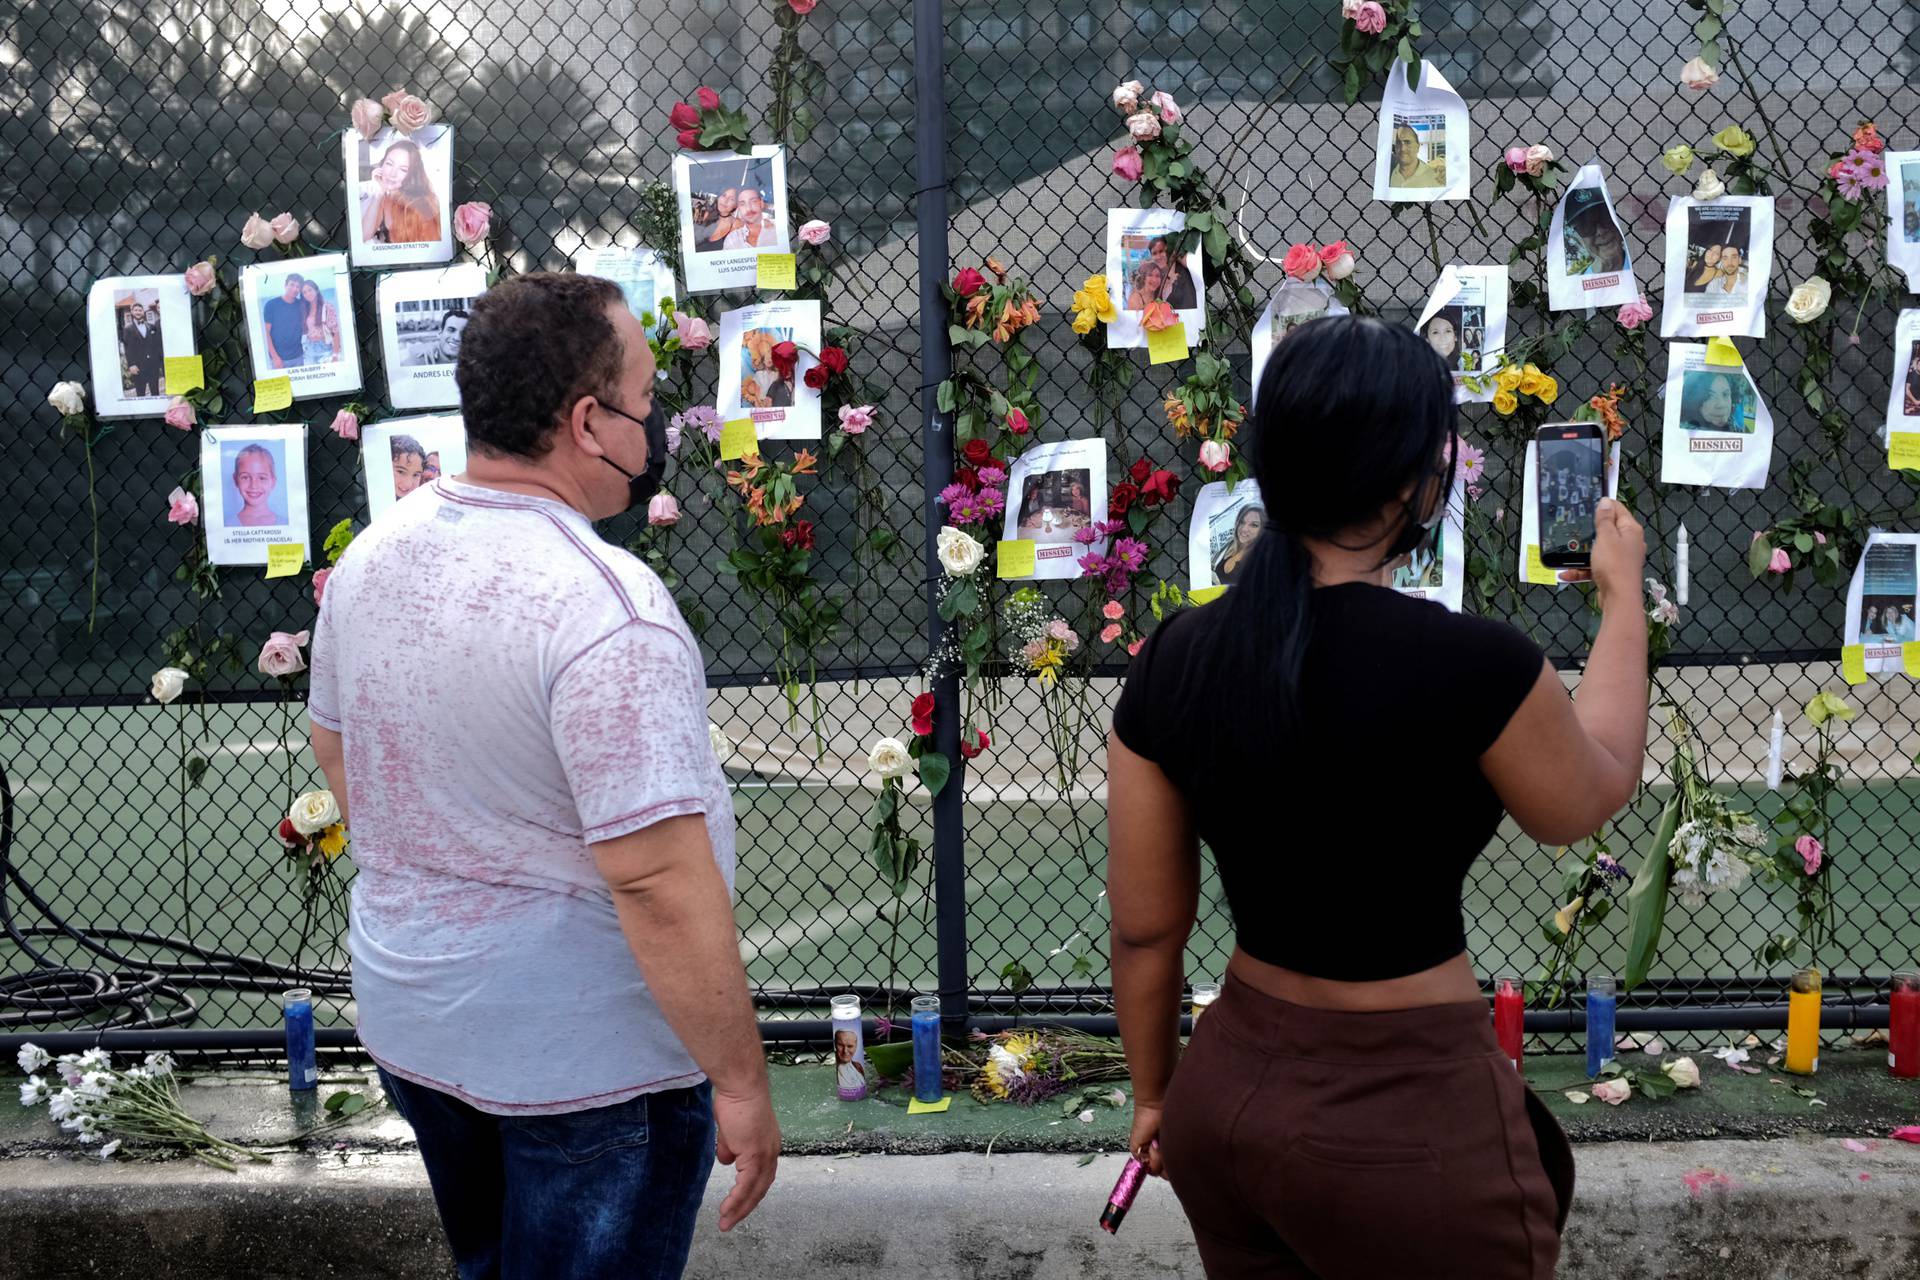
(1313, 1145)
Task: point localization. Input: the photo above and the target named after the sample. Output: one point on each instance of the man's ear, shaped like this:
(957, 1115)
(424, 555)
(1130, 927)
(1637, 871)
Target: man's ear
(578, 429)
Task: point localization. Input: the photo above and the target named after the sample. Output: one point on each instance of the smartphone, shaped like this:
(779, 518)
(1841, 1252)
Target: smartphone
(1570, 478)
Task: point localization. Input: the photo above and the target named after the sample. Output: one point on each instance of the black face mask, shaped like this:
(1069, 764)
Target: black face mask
(642, 486)
(1416, 531)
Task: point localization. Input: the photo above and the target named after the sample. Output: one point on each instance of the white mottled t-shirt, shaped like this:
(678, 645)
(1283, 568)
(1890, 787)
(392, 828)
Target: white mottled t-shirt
(510, 689)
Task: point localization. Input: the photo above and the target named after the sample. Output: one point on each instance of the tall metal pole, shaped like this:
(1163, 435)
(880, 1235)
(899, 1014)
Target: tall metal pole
(936, 363)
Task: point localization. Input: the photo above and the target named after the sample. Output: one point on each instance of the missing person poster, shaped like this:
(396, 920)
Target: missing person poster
(422, 315)
(1056, 494)
(644, 276)
(1903, 214)
(1222, 532)
(1883, 599)
(733, 208)
(133, 324)
(399, 196)
(1570, 503)
(1437, 568)
(300, 323)
(253, 486)
(1903, 398)
(1588, 263)
(765, 352)
(1292, 305)
(1718, 432)
(1143, 269)
(1422, 150)
(403, 455)
(1465, 322)
(1719, 255)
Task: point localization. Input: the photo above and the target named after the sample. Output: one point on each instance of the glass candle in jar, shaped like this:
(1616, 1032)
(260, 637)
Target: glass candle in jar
(1509, 1017)
(1803, 1023)
(1601, 1002)
(1903, 1026)
(1204, 994)
(849, 1050)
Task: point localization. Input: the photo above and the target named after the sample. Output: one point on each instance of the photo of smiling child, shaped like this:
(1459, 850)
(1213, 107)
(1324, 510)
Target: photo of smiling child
(254, 486)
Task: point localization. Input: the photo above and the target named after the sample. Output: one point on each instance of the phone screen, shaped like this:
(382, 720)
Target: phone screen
(1571, 483)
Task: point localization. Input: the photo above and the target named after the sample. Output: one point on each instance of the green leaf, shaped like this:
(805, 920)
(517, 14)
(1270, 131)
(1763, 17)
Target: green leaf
(196, 769)
(1084, 1160)
(1351, 83)
(962, 598)
(1759, 554)
(1647, 900)
(944, 397)
(935, 769)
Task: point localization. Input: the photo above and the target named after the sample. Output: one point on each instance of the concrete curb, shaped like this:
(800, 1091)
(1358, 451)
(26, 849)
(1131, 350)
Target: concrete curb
(1793, 1209)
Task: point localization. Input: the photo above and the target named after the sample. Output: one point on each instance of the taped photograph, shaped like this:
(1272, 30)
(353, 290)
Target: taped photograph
(404, 455)
(422, 316)
(133, 324)
(733, 208)
(765, 352)
(1143, 270)
(253, 485)
(399, 196)
(300, 323)
(1056, 495)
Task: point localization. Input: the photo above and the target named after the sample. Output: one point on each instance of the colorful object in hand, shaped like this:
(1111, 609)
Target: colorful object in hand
(1133, 1175)
(1509, 1018)
(1803, 1023)
(1600, 1008)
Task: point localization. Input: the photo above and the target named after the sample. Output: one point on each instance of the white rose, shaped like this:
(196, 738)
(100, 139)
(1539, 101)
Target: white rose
(1809, 300)
(313, 813)
(889, 758)
(167, 684)
(1709, 187)
(68, 397)
(1699, 75)
(722, 745)
(1683, 1073)
(1612, 1092)
(960, 552)
(1340, 268)
(1126, 97)
(1144, 126)
(257, 233)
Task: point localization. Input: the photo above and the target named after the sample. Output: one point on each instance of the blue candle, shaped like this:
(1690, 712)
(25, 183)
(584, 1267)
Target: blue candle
(302, 1071)
(1600, 1037)
(926, 1048)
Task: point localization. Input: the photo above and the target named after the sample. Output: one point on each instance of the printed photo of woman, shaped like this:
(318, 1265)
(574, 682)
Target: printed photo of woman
(320, 326)
(1149, 279)
(1442, 332)
(1712, 401)
(1247, 525)
(398, 204)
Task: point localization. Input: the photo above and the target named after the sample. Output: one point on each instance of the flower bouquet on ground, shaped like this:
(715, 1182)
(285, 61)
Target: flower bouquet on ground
(1033, 1064)
(94, 1102)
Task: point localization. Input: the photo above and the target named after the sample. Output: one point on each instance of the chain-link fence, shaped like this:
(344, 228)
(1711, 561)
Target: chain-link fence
(139, 137)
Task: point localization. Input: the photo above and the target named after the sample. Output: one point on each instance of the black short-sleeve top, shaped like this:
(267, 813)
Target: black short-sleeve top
(1342, 854)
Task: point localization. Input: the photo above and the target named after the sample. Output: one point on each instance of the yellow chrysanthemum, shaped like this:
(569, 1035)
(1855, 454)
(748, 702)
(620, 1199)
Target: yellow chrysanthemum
(1505, 402)
(1008, 1061)
(333, 841)
(1508, 379)
(1046, 664)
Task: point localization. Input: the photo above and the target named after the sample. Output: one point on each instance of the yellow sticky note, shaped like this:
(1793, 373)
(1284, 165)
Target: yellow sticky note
(272, 393)
(1537, 572)
(284, 559)
(184, 373)
(1853, 663)
(1206, 595)
(1164, 346)
(777, 271)
(1910, 658)
(738, 439)
(1903, 451)
(1722, 351)
(1015, 557)
(919, 1108)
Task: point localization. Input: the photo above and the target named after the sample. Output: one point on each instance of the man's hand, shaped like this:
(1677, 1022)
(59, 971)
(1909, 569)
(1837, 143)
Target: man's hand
(747, 1137)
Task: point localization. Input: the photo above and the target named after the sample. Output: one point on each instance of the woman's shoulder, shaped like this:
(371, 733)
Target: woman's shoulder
(1428, 624)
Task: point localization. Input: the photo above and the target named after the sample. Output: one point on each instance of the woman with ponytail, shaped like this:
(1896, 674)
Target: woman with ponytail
(1344, 1110)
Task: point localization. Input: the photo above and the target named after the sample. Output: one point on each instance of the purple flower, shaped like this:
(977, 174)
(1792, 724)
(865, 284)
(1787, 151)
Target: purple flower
(966, 510)
(992, 502)
(953, 495)
(1130, 553)
(1850, 180)
(1085, 535)
(1608, 867)
(1092, 564)
(701, 417)
(993, 476)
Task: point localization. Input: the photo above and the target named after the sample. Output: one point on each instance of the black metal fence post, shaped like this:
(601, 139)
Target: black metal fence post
(949, 835)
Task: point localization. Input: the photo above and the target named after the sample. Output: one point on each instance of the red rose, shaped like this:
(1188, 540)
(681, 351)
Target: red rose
(288, 837)
(922, 705)
(978, 452)
(798, 536)
(968, 477)
(1159, 487)
(971, 747)
(689, 139)
(834, 358)
(921, 726)
(709, 100)
(817, 376)
(684, 116)
(785, 355)
(968, 282)
(1017, 422)
(1139, 471)
(1121, 498)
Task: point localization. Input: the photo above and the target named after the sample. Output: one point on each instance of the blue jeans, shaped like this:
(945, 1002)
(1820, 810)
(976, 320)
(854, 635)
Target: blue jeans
(610, 1192)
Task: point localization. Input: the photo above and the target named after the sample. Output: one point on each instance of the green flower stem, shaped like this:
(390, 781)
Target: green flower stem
(186, 897)
(93, 506)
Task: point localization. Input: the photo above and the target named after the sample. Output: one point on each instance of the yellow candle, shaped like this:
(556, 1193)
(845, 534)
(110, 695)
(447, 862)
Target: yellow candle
(1803, 1023)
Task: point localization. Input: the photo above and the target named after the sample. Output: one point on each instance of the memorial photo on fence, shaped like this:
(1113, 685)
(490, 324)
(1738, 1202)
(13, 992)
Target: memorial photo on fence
(1435, 569)
(1910, 384)
(645, 278)
(1419, 156)
(1719, 258)
(400, 195)
(1056, 499)
(765, 353)
(422, 316)
(1421, 144)
(733, 208)
(1592, 239)
(403, 455)
(133, 324)
(1293, 304)
(1890, 581)
(1222, 532)
(253, 482)
(1588, 261)
(1144, 271)
(1718, 240)
(300, 323)
(1717, 400)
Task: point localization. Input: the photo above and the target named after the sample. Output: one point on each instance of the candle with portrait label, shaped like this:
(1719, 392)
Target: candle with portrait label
(1600, 1007)
(1509, 1017)
(1903, 1027)
(1204, 994)
(849, 1050)
(1803, 1023)
(926, 1048)
(302, 1071)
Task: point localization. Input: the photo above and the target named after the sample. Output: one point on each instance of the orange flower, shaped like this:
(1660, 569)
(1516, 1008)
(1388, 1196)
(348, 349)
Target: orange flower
(1608, 407)
(998, 268)
(1030, 311)
(804, 463)
(1158, 315)
(1177, 415)
(977, 308)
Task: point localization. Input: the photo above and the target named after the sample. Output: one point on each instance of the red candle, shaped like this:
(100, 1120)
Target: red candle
(1903, 1027)
(1509, 1011)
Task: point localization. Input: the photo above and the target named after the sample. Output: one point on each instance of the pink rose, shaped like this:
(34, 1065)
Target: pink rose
(1698, 75)
(692, 331)
(280, 655)
(1810, 853)
(1371, 19)
(472, 221)
(856, 418)
(1169, 109)
(284, 228)
(1144, 125)
(1126, 97)
(815, 232)
(1636, 313)
(1017, 422)
(1302, 262)
(256, 234)
(180, 414)
(1538, 158)
(1126, 163)
(1112, 611)
(1216, 456)
(1612, 1092)
(200, 279)
(182, 507)
(684, 115)
(1110, 633)
(802, 7)
(411, 114)
(663, 509)
(320, 577)
(1134, 648)
(346, 425)
(707, 98)
(1336, 260)
(689, 139)
(1780, 562)
(391, 101)
(368, 116)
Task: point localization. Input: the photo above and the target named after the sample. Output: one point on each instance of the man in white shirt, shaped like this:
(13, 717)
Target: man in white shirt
(512, 714)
